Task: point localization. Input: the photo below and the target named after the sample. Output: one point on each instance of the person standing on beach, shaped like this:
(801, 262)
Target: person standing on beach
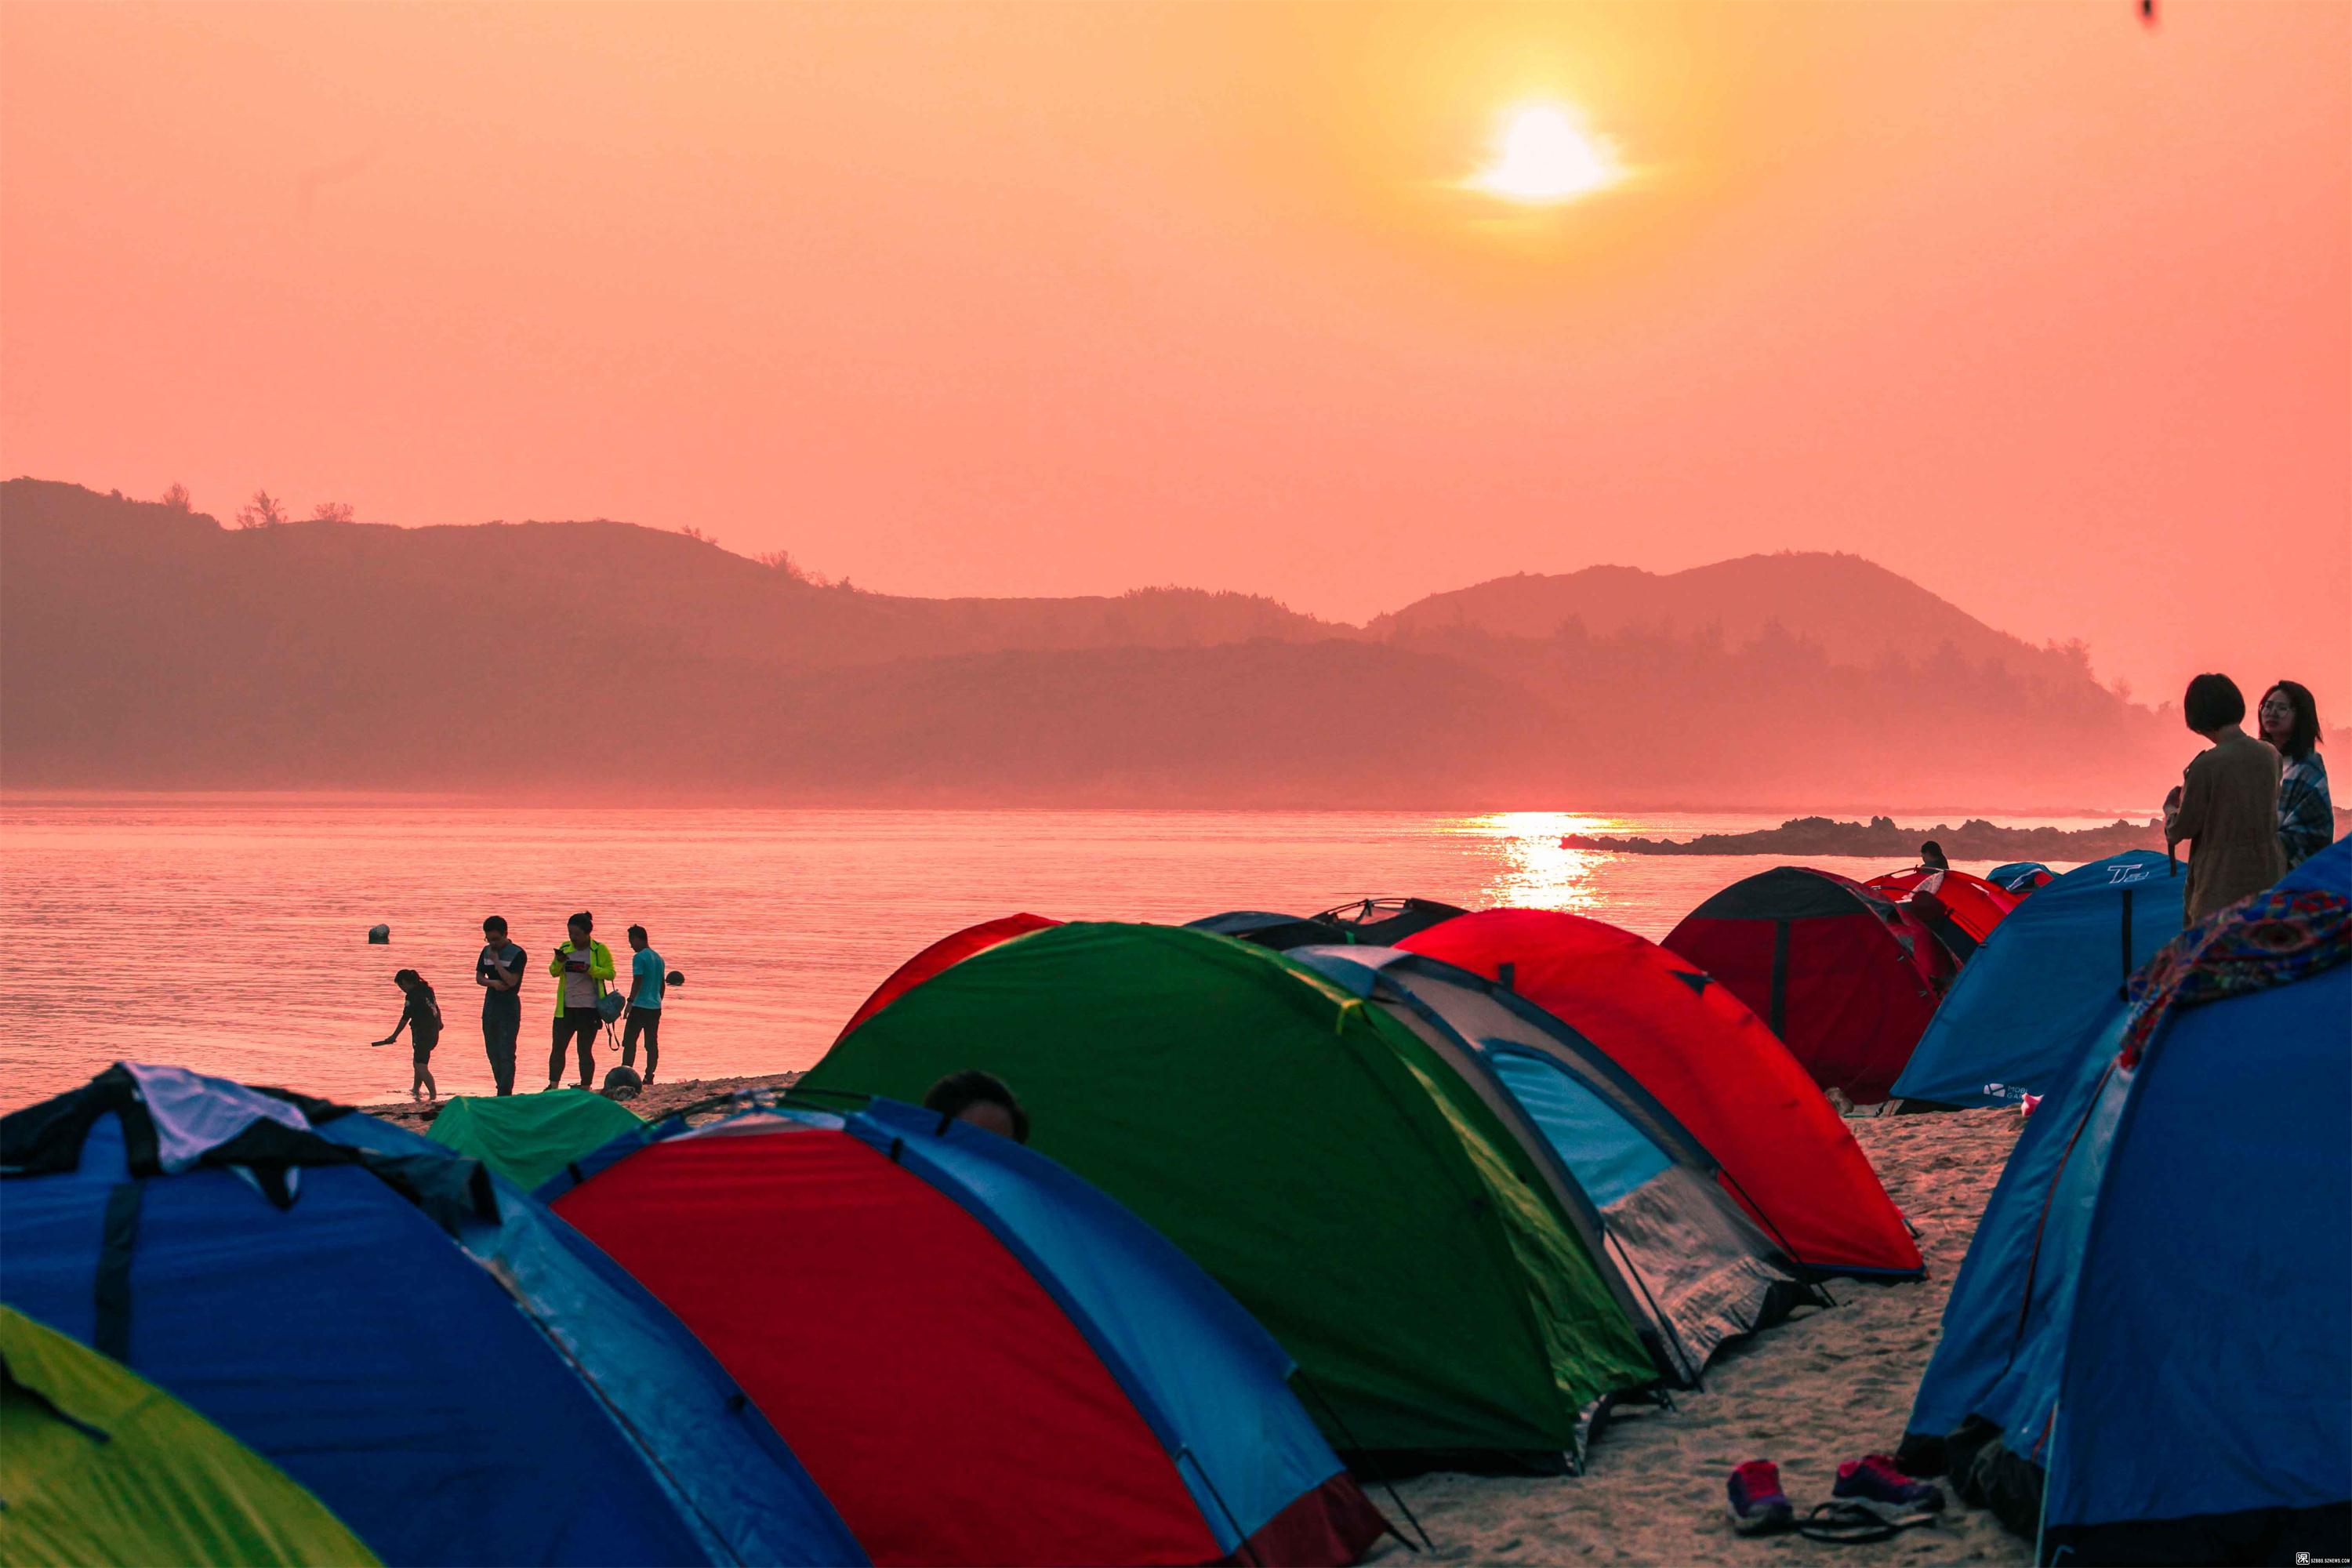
(646, 984)
(421, 1017)
(498, 972)
(580, 967)
(2226, 804)
(2289, 718)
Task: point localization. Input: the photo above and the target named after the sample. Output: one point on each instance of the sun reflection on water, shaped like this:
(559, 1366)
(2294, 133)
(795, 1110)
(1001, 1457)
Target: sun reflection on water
(1530, 869)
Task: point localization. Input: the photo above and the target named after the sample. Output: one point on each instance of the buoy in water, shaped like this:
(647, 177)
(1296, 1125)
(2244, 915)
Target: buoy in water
(379, 935)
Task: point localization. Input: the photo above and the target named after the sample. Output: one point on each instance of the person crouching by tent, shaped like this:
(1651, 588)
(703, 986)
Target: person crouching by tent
(421, 1017)
(981, 1098)
(2226, 805)
(580, 967)
(648, 981)
(1931, 855)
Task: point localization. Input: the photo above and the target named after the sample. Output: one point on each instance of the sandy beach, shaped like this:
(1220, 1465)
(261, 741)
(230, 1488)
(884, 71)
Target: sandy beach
(653, 1104)
(1829, 1384)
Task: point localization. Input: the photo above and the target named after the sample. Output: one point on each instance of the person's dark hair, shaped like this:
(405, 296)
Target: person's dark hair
(583, 920)
(2212, 701)
(495, 926)
(636, 933)
(2304, 734)
(1932, 854)
(960, 1091)
(407, 977)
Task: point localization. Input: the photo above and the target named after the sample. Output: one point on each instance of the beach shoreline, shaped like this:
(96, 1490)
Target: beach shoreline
(651, 1104)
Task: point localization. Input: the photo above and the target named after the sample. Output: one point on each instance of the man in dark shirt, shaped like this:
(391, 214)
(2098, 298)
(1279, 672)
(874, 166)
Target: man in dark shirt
(498, 972)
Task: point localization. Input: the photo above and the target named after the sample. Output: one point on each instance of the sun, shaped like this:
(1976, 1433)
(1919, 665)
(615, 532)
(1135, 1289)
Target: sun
(1543, 156)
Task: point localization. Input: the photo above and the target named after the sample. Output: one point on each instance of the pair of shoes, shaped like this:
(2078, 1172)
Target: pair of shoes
(1870, 1497)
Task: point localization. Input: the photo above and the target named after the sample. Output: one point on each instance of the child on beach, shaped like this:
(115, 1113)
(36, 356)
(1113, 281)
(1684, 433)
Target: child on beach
(421, 1017)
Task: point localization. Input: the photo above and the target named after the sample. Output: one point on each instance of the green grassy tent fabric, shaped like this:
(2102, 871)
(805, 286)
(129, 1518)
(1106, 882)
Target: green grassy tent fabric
(527, 1138)
(99, 1466)
(1308, 1150)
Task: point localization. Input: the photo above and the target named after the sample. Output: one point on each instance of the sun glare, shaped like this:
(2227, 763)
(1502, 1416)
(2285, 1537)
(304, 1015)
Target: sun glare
(1544, 156)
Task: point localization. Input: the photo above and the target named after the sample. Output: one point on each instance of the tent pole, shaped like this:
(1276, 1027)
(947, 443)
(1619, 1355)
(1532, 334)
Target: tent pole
(1324, 1404)
(1240, 1538)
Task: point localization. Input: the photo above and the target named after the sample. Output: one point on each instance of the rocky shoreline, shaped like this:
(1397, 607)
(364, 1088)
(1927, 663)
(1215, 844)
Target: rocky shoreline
(1881, 839)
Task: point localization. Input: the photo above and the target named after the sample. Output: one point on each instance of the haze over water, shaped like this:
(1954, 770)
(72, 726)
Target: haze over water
(229, 935)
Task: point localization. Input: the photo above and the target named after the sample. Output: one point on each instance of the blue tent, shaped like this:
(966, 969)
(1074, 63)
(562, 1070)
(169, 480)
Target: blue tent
(2019, 875)
(451, 1370)
(2046, 983)
(2329, 870)
(2146, 1354)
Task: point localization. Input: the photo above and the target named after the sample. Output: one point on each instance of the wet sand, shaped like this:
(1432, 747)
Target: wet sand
(652, 1104)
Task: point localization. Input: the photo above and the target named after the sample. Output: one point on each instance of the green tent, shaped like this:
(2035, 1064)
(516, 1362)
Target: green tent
(1309, 1150)
(100, 1466)
(527, 1138)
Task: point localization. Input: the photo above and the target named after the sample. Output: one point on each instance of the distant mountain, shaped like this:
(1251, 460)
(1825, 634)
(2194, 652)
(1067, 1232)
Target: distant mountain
(141, 647)
(1855, 612)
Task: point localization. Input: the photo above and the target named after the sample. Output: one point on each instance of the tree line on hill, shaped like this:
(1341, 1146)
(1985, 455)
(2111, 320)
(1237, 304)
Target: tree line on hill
(144, 645)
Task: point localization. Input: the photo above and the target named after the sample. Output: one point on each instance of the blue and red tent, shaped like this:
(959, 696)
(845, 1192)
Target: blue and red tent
(980, 1357)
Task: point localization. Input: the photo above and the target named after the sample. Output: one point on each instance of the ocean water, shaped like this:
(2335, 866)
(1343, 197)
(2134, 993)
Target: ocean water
(229, 934)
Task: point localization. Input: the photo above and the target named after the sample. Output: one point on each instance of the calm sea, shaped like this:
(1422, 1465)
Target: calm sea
(229, 935)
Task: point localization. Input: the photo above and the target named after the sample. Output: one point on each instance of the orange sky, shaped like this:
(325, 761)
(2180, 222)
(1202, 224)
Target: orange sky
(2047, 310)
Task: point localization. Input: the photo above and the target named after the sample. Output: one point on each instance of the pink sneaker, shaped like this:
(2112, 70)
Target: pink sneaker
(1757, 1504)
(1874, 1483)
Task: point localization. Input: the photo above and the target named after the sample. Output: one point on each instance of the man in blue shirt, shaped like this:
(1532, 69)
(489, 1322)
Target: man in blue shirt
(646, 982)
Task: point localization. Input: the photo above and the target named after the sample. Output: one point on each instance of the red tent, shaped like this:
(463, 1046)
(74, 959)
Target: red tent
(1785, 1154)
(1847, 978)
(944, 953)
(1974, 905)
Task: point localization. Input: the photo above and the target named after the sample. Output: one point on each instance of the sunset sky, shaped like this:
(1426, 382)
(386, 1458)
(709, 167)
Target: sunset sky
(2045, 309)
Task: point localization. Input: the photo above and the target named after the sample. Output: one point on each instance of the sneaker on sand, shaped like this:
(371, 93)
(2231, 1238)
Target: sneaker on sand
(1874, 1483)
(1757, 1504)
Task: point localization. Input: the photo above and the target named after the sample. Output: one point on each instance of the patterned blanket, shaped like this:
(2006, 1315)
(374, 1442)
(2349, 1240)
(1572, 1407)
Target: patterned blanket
(2273, 939)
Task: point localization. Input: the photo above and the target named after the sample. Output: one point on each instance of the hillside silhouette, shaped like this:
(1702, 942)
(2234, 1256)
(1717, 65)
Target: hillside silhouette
(143, 646)
(1856, 612)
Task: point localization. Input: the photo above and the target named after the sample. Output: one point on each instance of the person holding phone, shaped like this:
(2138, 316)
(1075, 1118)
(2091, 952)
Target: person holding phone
(498, 972)
(580, 967)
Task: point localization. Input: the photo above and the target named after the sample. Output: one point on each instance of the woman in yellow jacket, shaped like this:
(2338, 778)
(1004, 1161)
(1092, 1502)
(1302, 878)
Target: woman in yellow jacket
(580, 967)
